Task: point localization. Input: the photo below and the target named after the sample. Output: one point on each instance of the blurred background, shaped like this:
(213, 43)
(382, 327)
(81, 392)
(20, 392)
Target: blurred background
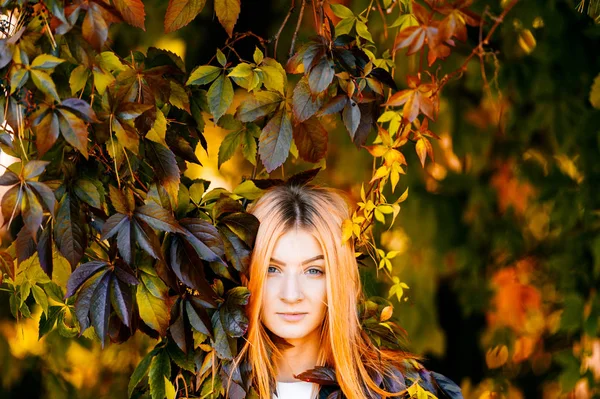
(498, 238)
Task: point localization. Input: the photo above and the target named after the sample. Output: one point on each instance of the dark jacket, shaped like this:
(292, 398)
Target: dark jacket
(414, 374)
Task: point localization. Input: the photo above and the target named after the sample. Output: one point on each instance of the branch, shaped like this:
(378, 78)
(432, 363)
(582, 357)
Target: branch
(297, 28)
(479, 48)
(292, 7)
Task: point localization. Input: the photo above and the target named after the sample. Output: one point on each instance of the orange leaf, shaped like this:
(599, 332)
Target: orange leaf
(399, 98)
(386, 313)
(132, 11)
(411, 108)
(181, 12)
(377, 150)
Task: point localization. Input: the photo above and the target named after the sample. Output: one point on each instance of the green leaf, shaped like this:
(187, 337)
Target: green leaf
(181, 12)
(341, 11)
(40, 297)
(249, 146)
(109, 60)
(102, 80)
(248, 190)
(153, 309)
(344, 27)
(241, 70)
(46, 62)
(275, 141)
(18, 77)
(363, 31)
(227, 12)
(160, 368)
(44, 82)
(273, 75)
(221, 59)
(258, 56)
(204, 74)
(140, 372)
(48, 320)
(228, 147)
(87, 191)
(220, 96)
(261, 104)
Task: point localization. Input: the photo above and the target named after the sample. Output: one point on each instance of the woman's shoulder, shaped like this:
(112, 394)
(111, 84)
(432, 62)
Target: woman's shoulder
(410, 376)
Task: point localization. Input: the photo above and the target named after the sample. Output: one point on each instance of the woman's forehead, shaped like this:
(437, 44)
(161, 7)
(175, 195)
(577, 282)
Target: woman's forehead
(296, 246)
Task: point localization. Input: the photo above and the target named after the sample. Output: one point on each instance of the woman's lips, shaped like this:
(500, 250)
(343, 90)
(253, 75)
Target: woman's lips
(292, 317)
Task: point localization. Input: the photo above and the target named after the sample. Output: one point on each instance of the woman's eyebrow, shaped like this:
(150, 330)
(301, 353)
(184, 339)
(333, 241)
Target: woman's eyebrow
(318, 257)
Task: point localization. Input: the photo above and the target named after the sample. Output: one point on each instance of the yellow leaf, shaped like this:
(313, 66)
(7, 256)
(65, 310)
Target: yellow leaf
(169, 389)
(385, 209)
(379, 216)
(421, 150)
(347, 226)
(227, 12)
(381, 172)
(402, 197)
(392, 254)
(248, 190)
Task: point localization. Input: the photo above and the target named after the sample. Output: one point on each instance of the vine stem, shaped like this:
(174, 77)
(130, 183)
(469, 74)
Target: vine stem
(287, 17)
(302, 5)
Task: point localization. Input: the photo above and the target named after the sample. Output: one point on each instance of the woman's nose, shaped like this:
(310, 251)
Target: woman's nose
(292, 289)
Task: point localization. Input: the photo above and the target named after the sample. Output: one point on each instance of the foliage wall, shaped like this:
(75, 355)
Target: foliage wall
(491, 265)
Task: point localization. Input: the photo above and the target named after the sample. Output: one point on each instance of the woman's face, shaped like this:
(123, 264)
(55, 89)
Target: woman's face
(295, 294)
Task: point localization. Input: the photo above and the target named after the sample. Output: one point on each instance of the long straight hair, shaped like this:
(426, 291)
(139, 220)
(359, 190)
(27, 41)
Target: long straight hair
(319, 211)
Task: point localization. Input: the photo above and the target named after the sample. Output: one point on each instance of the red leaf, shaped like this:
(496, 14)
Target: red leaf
(311, 140)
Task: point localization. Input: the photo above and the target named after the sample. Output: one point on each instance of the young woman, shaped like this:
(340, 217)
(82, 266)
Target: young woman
(305, 292)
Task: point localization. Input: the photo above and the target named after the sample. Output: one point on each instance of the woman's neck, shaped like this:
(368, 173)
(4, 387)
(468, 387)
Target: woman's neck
(301, 357)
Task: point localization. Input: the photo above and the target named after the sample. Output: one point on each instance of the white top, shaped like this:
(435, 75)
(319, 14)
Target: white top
(294, 390)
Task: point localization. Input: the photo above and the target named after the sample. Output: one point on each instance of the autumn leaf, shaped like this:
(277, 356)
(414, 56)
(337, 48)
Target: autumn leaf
(181, 12)
(311, 139)
(417, 98)
(132, 11)
(227, 12)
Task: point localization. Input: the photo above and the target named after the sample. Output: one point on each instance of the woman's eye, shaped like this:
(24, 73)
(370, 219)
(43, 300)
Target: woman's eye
(316, 272)
(272, 269)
